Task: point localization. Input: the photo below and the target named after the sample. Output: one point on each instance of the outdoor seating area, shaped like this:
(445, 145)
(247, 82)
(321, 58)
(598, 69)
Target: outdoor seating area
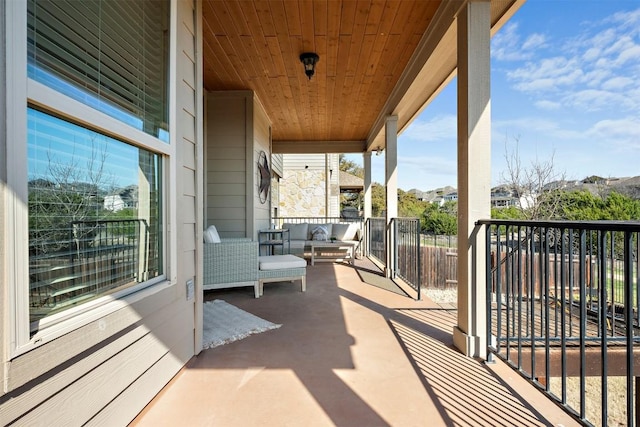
(232, 263)
(349, 353)
(304, 235)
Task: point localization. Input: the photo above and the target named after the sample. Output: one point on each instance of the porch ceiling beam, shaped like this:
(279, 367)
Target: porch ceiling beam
(431, 68)
(316, 147)
(427, 47)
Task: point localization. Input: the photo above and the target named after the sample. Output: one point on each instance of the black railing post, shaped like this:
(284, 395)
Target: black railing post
(628, 318)
(488, 288)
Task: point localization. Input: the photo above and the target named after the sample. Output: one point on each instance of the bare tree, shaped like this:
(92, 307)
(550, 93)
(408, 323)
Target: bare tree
(70, 192)
(537, 187)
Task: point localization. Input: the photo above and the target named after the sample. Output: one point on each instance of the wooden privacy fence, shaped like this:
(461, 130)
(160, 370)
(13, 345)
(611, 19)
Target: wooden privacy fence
(439, 267)
(439, 270)
(555, 273)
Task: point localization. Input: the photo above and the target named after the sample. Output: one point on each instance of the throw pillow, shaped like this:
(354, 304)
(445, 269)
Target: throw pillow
(319, 233)
(211, 235)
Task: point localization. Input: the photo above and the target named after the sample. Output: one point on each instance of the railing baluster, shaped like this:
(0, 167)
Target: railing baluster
(628, 316)
(588, 258)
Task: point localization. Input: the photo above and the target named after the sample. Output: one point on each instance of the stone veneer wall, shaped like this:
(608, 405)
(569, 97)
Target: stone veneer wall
(303, 193)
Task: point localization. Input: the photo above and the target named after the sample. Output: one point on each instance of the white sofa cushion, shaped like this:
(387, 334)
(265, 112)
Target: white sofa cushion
(344, 231)
(211, 235)
(279, 262)
(297, 231)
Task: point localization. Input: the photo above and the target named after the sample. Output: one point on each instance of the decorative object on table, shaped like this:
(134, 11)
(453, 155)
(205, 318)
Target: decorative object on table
(264, 177)
(333, 239)
(225, 323)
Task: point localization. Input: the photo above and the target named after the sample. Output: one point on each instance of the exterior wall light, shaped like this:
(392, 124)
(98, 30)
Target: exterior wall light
(309, 60)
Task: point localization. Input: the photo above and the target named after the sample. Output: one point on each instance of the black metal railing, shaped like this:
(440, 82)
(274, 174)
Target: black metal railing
(562, 302)
(376, 239)
(407, 251)
(279, 220)
(98, 257)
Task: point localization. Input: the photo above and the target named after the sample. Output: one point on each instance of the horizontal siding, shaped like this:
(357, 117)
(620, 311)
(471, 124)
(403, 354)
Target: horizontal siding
(226, 164)
(226, 201)
(104, 383)
(90, 347)
(299, 161)
(220, 177)
(230, 227)
(276, 164)
(227, 153)
(124, 407)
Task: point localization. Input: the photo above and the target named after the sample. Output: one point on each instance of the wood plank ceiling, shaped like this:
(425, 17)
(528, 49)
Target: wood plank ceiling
(364, 47)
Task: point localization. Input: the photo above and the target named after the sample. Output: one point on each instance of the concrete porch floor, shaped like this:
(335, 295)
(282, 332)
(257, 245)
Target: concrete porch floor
(348, 354)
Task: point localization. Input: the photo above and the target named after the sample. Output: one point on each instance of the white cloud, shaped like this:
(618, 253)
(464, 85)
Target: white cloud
(534, 41)
(621, 133)
(439, 128)
(617, 83)
(598, 70)
(548, 105)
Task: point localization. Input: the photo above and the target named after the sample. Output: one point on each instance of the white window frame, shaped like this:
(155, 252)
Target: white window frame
(21, 93)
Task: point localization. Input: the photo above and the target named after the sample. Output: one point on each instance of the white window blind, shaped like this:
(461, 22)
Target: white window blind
(109, 54)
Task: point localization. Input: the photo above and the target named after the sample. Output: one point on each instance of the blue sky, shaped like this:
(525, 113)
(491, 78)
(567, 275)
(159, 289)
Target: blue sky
(565, 84)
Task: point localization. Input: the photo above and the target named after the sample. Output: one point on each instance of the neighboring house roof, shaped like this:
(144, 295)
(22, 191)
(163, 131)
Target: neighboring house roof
(350, 182)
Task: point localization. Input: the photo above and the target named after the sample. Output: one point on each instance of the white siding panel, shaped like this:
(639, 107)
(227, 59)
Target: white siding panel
(49, 385)
(102, 385)
(186, 8)
(276, 164)
(186, 40)
(226, 189)
(188, 150)
(299, 161)
(230, 227)
(187, 98)
(227, 153)
(188, 238)
(228, 165)
(188, 188)
(187, 70)
(228, 213)
(226, 177)
(188, 131)
(226, 201)
(124, 407)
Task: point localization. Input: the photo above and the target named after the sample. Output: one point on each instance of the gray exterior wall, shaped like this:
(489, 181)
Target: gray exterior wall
(237, 131)
(104, 372)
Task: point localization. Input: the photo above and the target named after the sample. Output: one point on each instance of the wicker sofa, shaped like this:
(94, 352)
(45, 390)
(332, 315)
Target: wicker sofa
(302, 235)
(235, 263)
(231, 263)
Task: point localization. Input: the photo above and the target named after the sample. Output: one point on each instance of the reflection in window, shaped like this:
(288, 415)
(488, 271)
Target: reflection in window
(95, 222)
(111, 55)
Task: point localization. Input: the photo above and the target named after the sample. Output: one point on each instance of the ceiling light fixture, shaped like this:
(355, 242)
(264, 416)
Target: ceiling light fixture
(309, 60)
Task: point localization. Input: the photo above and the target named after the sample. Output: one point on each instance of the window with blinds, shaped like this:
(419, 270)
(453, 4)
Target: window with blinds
(109, 54)
(95, 215)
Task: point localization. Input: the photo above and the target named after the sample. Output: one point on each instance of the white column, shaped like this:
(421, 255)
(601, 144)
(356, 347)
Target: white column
(367, 184)
(391, 184)
(474, 177)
